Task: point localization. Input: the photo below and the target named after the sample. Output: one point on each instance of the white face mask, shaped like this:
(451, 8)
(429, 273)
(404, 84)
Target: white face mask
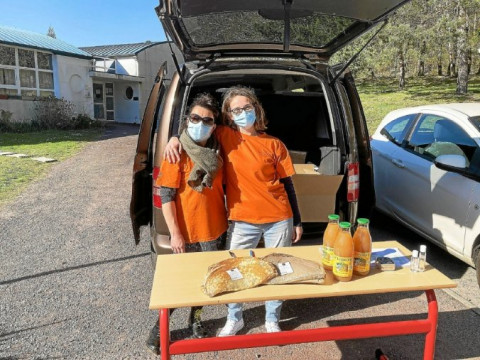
(245, 119)
(199, 132)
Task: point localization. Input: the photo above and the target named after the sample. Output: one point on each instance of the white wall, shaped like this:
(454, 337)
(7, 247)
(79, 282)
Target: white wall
(23, 110)
(127, 66)
(74, 83)
(149, 61)
(126, 111)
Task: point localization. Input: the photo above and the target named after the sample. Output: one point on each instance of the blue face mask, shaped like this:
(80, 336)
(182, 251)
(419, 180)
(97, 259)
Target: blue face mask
(199, 132)
(245, 119)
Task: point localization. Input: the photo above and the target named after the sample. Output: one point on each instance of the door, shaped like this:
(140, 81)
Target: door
(98, 101)
(109, 101)
(203, 27)
(141, 200)
(432, 200)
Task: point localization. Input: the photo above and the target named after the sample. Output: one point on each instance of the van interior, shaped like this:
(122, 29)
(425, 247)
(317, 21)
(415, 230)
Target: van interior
(295, 107)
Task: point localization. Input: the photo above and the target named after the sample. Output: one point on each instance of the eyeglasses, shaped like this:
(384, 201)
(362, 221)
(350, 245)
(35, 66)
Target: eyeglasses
(195, 119)
(238, 110)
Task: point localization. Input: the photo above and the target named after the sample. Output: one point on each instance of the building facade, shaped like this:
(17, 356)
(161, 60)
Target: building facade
(109, 83)
(123, 76)
(34, 65)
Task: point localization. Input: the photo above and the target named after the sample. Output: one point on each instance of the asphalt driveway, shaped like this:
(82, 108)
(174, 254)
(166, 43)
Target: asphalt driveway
(73, 284)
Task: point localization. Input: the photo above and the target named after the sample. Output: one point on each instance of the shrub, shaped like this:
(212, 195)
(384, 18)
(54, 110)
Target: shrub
(50, 113)
(53, 113)
(5, 124)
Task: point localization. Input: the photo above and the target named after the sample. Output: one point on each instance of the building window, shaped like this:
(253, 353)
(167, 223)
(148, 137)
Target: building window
(44, 61)
(25, 72)
(7, 76)
(26, 58)
(129, 93)
(45, 79)
(27, 78)
(7, 55)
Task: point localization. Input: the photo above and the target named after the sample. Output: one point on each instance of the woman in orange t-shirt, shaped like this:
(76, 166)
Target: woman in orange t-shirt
(192, 195)
(261, 199)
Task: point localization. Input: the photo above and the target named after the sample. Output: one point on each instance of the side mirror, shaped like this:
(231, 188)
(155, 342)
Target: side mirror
(451, 162)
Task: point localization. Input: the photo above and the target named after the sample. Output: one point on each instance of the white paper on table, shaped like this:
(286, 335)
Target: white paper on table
(395, 254)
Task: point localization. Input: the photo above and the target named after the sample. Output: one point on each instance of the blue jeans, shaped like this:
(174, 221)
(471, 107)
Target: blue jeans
(242, 235)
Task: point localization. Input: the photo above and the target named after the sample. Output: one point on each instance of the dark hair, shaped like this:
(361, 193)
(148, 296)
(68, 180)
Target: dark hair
(238, 90)
(203, 100)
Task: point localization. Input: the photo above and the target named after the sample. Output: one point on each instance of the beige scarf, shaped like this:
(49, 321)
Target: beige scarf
(206, 159)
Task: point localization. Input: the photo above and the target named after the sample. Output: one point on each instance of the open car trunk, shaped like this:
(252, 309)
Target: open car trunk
(299, 114)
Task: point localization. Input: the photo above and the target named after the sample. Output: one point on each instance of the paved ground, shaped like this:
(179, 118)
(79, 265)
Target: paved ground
(73, 285)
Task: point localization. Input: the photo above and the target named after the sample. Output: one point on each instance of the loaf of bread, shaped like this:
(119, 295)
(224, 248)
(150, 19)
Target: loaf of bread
(236, 274)
(293, 269)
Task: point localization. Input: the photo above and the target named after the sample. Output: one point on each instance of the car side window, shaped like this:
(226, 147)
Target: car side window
(397, 129)
(435, 135)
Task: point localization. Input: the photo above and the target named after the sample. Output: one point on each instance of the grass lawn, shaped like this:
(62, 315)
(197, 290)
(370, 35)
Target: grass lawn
(17, 173)
(381, 96)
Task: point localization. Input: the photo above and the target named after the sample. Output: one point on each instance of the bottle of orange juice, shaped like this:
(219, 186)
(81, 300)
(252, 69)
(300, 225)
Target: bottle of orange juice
(362, 241)
(329, 237)
(343, 253)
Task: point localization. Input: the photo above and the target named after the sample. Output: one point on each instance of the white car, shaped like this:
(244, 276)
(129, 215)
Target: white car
(426, 163)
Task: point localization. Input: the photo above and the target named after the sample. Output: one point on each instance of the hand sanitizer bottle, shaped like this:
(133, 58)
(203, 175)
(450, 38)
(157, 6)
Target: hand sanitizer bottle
(422, 258)
(414, 261)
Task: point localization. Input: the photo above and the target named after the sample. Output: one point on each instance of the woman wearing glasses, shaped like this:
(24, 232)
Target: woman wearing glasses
(261, 199)
(191, 191)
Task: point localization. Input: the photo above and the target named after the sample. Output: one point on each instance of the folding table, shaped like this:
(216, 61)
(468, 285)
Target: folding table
(178, 278)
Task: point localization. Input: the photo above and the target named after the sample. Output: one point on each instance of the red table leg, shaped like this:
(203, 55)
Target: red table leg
(165, 334)
(429, 350)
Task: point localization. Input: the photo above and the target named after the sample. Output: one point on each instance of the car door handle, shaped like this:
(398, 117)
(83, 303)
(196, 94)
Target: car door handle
(398, 163)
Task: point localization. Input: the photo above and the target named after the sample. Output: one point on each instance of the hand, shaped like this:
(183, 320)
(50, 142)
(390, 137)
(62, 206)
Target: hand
(178, 243)
(173, 150)
(297, 233)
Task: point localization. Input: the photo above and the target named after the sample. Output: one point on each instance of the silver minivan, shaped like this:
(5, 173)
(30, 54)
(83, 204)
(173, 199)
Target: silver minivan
(281, 49)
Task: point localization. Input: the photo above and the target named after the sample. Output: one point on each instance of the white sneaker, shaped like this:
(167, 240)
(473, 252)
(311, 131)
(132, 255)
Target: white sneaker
(231, 328)
(272, 326)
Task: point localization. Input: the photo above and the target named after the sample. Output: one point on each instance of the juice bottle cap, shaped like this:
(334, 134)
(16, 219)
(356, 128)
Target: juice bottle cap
(333, 217)
(363, 221)
(345, 225)
(415, 253)
(423, 248)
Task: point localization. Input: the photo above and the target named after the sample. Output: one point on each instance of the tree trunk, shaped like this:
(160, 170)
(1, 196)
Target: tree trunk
(439, 69)
(421, 62)
(452, 49)
(401, 82)
(462, 46)
(421, 68)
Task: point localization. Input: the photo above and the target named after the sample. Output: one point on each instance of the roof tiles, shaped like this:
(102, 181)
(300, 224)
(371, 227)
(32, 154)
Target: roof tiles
(118, 50)
(13, 36)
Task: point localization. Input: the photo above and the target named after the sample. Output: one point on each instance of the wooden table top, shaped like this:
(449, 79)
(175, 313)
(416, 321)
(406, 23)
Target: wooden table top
(178, 279)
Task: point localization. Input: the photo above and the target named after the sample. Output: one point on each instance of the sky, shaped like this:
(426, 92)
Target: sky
(86, 22)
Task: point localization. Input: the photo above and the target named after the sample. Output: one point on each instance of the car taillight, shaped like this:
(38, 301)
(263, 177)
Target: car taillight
(353, 183)
(157, 201)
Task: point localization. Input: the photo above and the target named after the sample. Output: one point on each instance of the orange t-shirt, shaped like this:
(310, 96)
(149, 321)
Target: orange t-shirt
(201, 216)
(254, 166)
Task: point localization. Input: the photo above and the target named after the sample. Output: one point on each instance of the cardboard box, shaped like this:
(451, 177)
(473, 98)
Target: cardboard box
(316, 193)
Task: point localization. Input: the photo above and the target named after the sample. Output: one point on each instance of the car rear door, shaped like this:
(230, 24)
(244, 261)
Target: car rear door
(201, 28)
(141, 199)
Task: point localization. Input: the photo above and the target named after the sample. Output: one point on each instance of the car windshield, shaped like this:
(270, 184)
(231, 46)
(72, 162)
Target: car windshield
(312, 30)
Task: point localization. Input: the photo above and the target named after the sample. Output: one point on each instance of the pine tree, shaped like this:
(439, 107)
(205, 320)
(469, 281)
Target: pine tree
(51, 32)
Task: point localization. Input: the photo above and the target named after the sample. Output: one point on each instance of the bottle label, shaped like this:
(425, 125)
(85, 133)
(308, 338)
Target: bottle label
(327, 255)
(343, 266)
(361, 261)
